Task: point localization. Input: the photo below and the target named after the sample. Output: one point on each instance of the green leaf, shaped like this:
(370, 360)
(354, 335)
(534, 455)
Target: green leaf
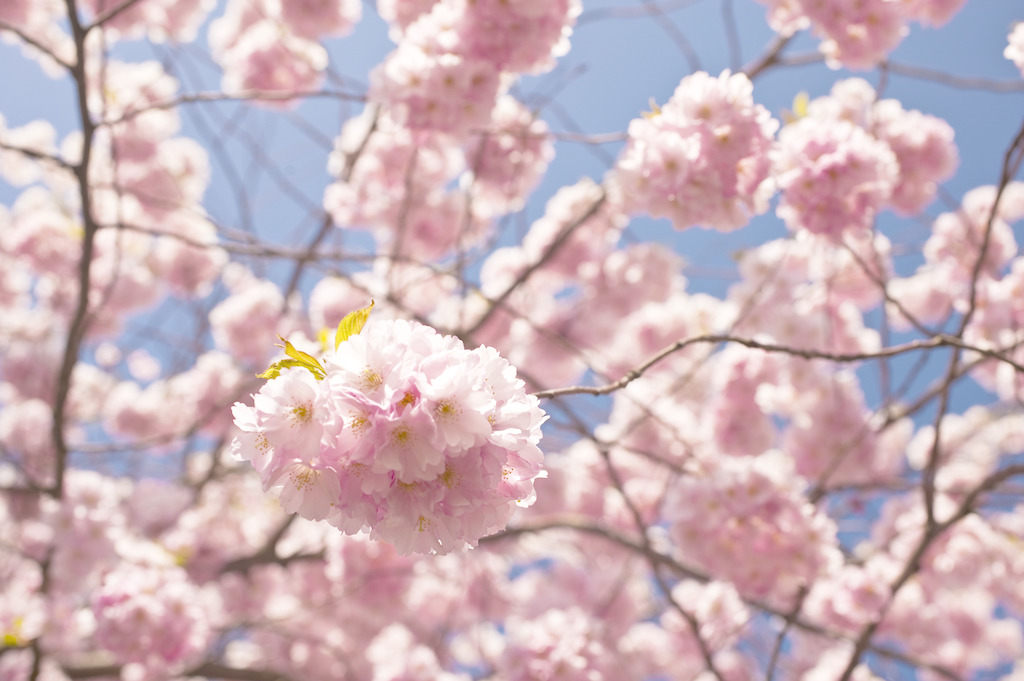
(304, 359)
(352, 324)
(274, 370)
(298, 359)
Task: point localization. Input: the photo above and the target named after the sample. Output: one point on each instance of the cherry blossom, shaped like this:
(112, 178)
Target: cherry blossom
(702, 159)
(400, 431)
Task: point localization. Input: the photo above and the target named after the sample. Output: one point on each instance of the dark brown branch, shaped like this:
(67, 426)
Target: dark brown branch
(38, 156)
(79, 317)
(29, 40)
(109, 14)
(208, 669)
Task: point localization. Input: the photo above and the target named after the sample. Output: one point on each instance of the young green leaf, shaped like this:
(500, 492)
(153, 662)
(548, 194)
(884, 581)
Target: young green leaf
(298, 359)
(352, 324)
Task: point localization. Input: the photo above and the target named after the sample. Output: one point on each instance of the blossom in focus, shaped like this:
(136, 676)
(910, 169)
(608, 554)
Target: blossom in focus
(400, 431)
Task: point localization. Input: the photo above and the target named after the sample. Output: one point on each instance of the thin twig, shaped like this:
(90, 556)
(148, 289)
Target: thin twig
(892, 351)
(29, 40)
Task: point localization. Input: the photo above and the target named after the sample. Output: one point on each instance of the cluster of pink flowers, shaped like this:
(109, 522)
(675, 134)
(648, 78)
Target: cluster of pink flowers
(244, 322)
(526, 328)
(442, 93)
(449, 67)
(702, 159)
(152, 617)
(273, 45)
(834, 176)
(146, 186)
(942, 283)
(564, 644)
(141, 170)
(398, 182)
(43, 21)
(820, 282)
(443, 151)
(393, 182)
(957, 237)
(750, 506)
(400, 431)
(851, 156)
(590, 240)
(739, 424)
(507, 160)
(954, 593)
(400, 13)
(850, 597)
(159, 20)
(832, 437)
(37, 136)
(857, 34)
(522, 37)
(174, 405)
(383, 167)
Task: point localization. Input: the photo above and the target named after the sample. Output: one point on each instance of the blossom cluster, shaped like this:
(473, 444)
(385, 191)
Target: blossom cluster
(746, 507)
(159, 20)
(397, 182)
(273, 45)
(452, 60)
(849, 156)
(702, 158)
(400, 431)
(857, 34)
(153, 617)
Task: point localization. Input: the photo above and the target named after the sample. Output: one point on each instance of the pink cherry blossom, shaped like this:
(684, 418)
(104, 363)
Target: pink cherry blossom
(401, 13)
(446, 92)
(314, 19)
(428, 445)
(702, 159)
(522, 36)
(245, 322)
(265, 60)
(924, 150)
(834, 177)
(151, 615)
(858, 35)
(590, 239)
(508, 159)
(744, 506)
(562, 644)
(157, 19)
(186, 256)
